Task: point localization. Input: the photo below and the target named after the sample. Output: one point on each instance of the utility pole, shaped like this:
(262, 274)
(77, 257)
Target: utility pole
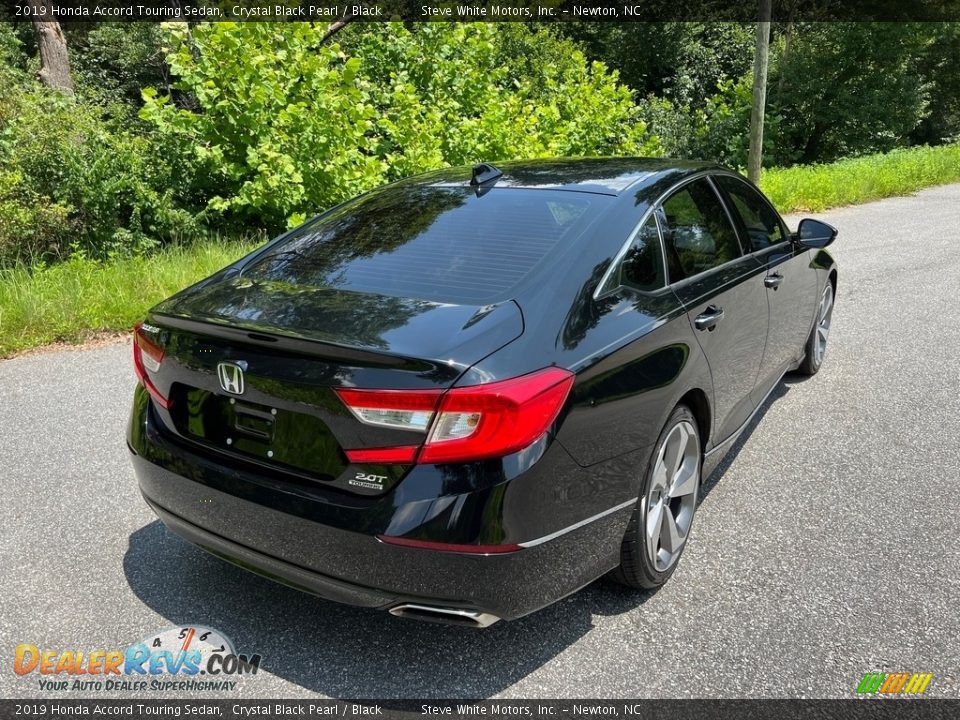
(755, 156)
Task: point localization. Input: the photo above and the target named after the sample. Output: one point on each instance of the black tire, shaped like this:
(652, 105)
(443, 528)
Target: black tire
(809, 365)
(812, 361)
(636, 569)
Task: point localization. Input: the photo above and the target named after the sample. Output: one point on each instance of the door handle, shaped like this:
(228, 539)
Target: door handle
(708, 319)
(773, 281)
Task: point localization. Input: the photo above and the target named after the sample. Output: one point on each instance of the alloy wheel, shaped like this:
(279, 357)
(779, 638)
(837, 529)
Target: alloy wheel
(672, 497)
(824, 315)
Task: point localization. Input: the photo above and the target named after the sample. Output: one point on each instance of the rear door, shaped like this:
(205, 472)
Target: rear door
(723, 292)
(789, 282)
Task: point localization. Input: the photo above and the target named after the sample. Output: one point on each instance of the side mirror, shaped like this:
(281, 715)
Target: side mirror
(815, 234)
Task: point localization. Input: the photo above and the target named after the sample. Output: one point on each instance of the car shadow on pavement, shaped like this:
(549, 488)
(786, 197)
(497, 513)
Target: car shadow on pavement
(347, 652)
(782, 388)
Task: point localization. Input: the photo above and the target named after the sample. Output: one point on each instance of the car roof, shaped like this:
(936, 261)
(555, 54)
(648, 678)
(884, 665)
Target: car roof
(607, 176)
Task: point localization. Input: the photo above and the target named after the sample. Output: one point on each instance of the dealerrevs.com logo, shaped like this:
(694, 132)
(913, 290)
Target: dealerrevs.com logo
(180, 658)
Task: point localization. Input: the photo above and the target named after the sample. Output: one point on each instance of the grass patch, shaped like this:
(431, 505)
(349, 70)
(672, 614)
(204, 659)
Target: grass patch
(69, 300)
(859, 180)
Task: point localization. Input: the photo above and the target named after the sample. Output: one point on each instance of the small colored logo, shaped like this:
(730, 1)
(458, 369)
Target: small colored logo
(898, 683)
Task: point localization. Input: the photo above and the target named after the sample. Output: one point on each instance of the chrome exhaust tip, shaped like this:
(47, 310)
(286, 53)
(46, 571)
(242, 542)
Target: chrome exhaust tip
(447, 616)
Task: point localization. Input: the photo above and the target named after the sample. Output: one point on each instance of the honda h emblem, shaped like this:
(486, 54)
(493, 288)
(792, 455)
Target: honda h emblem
(231, 378)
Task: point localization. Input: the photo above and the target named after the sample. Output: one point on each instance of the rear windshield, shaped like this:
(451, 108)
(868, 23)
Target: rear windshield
(441, 244)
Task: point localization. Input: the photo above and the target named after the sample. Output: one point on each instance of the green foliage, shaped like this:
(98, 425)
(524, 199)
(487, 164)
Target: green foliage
(939, 64)
(283, 128)
(286, 125)
(719, 131)
(693, 78)
(846, 89)
(723, 134)
(683, 62)
(112, 61)
(72, 178)
(858, 180)
(835, 90)
(11, 50)
(260, 124)
(67, 300)
(69, 181)
(85, 174)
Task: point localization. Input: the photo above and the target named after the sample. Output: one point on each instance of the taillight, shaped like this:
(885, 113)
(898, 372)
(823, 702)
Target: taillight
(494, 420)
(147, 356)
(464, 423)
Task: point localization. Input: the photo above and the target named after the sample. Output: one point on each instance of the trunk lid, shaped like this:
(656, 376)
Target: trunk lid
(456, 334)
(289, 346)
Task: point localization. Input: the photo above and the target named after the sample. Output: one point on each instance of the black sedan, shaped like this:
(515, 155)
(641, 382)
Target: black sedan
(468, 394)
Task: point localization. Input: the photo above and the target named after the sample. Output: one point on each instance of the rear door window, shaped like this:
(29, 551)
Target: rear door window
(697, 233)
(437, 244)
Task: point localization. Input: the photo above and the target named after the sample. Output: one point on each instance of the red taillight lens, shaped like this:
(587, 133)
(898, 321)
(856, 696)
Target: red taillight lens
(494, 420)
(147, 356)
(465, 423)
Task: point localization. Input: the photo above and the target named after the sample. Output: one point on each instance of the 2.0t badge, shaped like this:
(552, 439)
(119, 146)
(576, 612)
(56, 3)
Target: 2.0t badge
(368, 481)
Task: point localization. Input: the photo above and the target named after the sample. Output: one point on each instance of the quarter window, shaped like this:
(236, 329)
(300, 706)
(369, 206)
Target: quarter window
(642, 266)
(762, 225)
(697, 234)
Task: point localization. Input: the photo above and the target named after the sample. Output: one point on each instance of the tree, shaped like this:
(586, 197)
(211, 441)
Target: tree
(112, 61)
(54, 59)
(938, 65)
(755, 156)
(682, 62)
(849, 89)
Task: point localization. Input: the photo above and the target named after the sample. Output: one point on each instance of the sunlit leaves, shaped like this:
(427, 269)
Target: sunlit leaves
(288, 125)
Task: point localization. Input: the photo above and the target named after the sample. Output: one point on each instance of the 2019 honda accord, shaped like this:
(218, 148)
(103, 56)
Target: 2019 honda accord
(468, 394)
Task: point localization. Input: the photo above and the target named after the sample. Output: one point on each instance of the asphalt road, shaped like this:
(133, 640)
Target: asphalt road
(827, 546)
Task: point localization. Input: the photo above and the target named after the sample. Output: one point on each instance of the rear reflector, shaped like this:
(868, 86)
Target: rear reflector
(464, 423)
(147, 357)
(402, 455)
(449, 547)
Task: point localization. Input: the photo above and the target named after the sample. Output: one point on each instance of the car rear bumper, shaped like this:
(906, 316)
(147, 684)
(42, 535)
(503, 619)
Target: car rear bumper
(332, 550)
(271, 567)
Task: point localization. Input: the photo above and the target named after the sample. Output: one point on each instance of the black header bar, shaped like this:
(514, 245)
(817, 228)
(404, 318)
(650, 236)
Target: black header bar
(482, 10)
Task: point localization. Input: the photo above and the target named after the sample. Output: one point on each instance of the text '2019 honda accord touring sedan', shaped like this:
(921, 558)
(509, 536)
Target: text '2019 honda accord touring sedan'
(468, 394)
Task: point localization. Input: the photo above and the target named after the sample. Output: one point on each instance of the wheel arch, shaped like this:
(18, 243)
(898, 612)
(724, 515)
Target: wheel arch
(696, 400)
